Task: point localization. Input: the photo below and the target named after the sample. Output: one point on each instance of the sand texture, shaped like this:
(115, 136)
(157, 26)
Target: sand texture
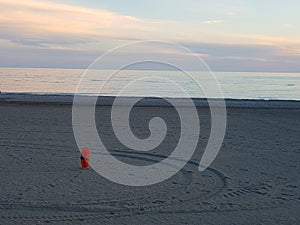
(255, 179)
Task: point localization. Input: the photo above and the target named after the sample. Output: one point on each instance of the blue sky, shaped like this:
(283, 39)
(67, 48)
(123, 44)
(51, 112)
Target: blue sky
(230, 35)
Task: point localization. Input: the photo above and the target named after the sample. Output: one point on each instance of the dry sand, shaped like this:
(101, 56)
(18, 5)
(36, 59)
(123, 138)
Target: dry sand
(254, 180)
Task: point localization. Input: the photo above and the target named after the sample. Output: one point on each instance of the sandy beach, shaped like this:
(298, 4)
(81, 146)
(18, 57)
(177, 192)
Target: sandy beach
(254, 180)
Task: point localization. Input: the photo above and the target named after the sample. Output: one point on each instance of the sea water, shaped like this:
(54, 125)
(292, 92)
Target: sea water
(235, 85)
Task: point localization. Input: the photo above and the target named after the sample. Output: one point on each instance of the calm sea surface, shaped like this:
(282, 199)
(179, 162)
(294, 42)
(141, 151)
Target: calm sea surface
(237, 85)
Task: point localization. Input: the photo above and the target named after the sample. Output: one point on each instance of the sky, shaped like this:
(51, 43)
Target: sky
(229, 35)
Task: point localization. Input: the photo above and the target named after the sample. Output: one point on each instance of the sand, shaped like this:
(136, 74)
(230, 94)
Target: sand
(254, 180)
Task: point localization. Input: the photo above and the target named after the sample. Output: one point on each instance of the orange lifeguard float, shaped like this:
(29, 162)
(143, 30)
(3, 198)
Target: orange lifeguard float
(85, 158)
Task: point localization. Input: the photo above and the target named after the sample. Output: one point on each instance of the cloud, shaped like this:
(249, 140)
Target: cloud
(41, 23)
(213, 21)
(220, 57)
(231, 13)
(52, 22)
(289, 26)
(232, 50)
(44, 32)
(270, 40)
(247, 57)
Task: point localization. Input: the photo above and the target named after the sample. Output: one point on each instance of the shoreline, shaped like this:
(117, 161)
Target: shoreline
(67, 99)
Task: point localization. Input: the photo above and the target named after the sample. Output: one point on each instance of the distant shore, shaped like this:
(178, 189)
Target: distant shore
(67, 99)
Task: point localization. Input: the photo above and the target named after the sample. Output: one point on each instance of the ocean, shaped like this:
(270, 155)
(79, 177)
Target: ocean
(234, 85)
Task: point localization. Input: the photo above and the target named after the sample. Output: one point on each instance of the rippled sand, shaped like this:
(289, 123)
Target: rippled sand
(254, 179)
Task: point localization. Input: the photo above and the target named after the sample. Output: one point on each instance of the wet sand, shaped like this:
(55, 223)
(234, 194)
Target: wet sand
(254, 180)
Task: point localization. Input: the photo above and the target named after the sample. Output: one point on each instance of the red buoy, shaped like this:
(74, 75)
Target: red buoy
(85, 158)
